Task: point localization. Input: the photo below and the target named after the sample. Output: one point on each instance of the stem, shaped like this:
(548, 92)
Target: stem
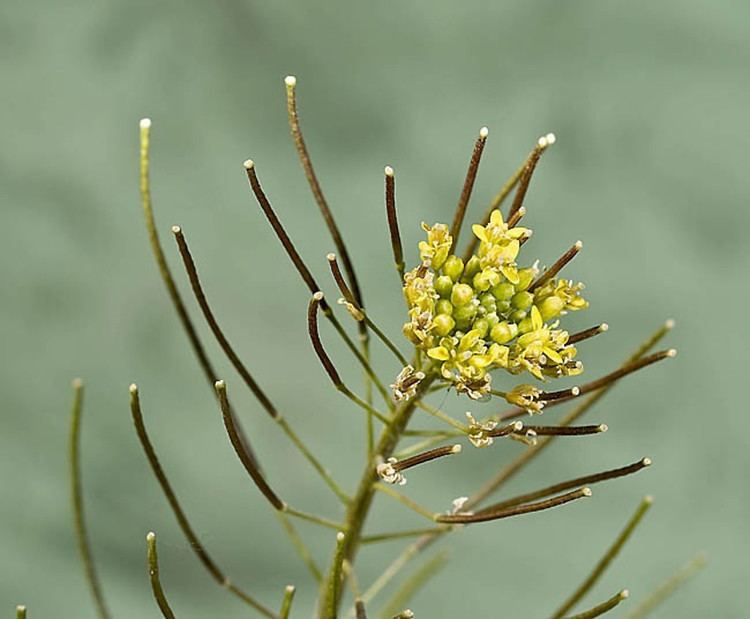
(604, 607)
(608, 557)
(79, 520)
(182, 520)
(360, 505)
(300, 547)
(20, 612)
(286, 603)
(414, 583)
(153, 573)
(404, 500)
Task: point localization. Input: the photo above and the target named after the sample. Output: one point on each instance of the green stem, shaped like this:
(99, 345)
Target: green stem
(153, 574)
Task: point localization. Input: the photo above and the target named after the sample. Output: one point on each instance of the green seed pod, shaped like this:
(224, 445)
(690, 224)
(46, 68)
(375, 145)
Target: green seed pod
(504, 291)
(525, 277)
(443, 324)
(461, 294)
(443, 286)
(522, 300)
(464, 316)
(503, 332)
(482, 325)
(453, 267)
(551, 307)
(444, 306)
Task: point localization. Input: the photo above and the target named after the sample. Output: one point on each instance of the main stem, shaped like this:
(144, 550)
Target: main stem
(359, 508)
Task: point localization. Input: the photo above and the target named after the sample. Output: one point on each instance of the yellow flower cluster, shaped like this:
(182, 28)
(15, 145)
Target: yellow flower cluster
(482, 315)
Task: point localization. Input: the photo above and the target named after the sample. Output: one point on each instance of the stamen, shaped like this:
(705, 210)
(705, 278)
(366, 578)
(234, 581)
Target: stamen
(489, 514)
(557, 267)
(471, 175)
(390, 210)
(588, 333)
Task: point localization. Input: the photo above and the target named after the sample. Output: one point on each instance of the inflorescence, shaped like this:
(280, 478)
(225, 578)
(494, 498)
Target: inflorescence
(471, 315)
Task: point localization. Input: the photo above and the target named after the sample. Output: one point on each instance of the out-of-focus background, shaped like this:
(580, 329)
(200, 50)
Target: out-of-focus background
(649, 103)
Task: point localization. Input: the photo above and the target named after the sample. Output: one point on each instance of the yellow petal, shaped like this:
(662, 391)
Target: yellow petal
(479, 232)
(536, 318)
(496, 218)
(439, 352)
(552, 355)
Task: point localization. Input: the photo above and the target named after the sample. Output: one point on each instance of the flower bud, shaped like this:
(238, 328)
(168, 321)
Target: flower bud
(443, 324)
(464, 316)
(492, 319)
(481, 325)
(488, 303)
(503, 332)
(444, 306)
(443, 286)
(551, 307)
(461, 294)
(472, 268)
(522, 300)
(453, 267)
(517, 316)
(525, 277)
(504, 291)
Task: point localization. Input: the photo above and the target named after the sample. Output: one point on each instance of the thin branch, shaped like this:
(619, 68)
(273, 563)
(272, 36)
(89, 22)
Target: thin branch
(403, 595)
(164, 271)
(247, 462)
(600, 383)
(471, 175)
(439, 414)
(182, 520)
(334, 582)
(404, 500)
(242, 370)
(286, 603)
(487, 515)
(304, 157)
(359, 606)
(390, 211)
(557, 266)
(153, 574)
(605, 561)
(325, 360)
(586, 480)
(523, 184)
(76, 493)
(200, 297)
(300, 547)
(663, 591)
(527, 456)
(588, 333)
(397, 535)
(604, 607)
(358, 312)
(324, 522)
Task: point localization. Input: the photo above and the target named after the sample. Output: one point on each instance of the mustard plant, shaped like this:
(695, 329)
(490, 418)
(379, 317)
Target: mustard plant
(482, 320)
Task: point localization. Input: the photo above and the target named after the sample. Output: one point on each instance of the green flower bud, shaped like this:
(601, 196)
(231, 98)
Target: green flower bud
(444, 306)
(503, 307)
(522, 300)
(503, 332)
(443, 286)
(551, 307)
(443, 324)
(525, 277)
(480, 282)
(464, 316)
(461, 294)
(492, 319)
(453, 267)
(481, 325)
(517, 316)
(472, 268)
(488, 303)
(504, 291)
(525, 325)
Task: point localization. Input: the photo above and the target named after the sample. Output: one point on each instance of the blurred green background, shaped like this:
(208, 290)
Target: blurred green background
(649, 104)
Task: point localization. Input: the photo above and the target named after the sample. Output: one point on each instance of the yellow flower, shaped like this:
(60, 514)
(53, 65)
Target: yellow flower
(435, 249)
